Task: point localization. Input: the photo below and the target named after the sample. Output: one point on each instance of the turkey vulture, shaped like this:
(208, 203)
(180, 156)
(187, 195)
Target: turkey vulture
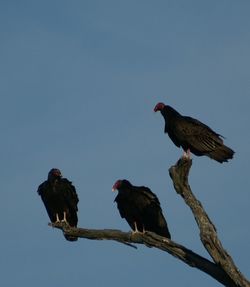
(193, 136)
(140, 207)
(60, 199)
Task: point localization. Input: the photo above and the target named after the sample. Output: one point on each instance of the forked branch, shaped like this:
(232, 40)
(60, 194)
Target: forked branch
(150, 239)
(221, 269)
(208, 235)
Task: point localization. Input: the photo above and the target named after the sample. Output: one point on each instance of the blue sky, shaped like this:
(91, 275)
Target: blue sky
(79, 81)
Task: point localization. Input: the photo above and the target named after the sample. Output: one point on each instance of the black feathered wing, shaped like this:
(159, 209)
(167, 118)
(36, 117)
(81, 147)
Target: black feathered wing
(127, 208)
(197, 135)
(71, 200)
(152, 214)
(190, 133)
(200, 139)
(59, 197)
(141, 205)
(44, 191)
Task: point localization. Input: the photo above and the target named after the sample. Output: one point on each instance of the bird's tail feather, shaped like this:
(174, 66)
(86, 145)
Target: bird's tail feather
(164, 232)
(222, 154)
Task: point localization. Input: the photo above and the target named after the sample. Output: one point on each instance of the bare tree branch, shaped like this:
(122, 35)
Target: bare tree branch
(222, 269)
(208, 235)
(151, 239)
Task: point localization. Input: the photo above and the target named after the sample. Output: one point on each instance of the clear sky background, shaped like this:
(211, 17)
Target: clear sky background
(79, 81)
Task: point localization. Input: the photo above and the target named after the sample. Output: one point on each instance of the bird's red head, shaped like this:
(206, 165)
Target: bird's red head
(159, 107)
(121, 184)
(117, 185)
(54, 173)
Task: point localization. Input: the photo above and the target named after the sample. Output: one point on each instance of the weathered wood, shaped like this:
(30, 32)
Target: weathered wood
(222, 269)
(150, 239)
(208, 234)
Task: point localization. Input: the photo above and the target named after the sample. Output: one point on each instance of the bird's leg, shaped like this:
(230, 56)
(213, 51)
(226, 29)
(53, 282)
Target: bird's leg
(136, 229)
(184, 154)
(187, 154)
(64, 217)
(57, 218)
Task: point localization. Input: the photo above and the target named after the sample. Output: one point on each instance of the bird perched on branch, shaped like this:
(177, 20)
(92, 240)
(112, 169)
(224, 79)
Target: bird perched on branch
(193, 136)
(140, 207)
(60, 199)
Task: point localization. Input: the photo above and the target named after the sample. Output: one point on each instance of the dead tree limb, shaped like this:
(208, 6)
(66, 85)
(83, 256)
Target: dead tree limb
(151, 239)
(208, 234)
(221, 269)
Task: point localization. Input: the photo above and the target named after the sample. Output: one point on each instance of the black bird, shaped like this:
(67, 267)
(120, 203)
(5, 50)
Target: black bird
(193, 136)
(60, 199)
(141, 208)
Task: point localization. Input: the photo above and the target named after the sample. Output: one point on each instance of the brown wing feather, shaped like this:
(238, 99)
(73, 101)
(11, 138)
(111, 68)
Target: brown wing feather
(139, 204)
(190, 133)
(196, 134)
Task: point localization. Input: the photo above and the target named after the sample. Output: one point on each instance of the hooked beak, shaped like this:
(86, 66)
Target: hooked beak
(159, 107)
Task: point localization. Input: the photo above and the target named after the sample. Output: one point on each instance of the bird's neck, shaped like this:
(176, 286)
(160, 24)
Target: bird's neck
(168, 113)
